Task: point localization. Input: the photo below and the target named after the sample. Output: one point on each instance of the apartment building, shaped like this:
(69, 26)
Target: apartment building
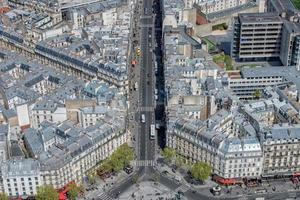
(47, 110)
(230, 157)
(21, 177)
(66, 153)
(281, 150)
(211, 6)
(89, 116)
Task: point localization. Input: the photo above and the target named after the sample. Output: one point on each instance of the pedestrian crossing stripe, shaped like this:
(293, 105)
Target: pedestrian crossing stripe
(105, 196)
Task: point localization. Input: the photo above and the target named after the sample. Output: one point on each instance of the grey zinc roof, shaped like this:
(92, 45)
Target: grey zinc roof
(233, 145)
(33, 141)
(48, 133)
(21, 167)
(283, 133)
(94, 110)
(46, 104)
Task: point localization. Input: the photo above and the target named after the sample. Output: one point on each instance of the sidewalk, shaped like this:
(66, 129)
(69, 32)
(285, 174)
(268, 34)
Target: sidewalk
(102, 186)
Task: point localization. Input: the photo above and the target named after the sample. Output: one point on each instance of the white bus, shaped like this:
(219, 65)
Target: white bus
(152, 131)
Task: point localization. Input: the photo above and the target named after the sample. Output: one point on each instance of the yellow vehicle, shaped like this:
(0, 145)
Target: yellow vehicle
(138, 51)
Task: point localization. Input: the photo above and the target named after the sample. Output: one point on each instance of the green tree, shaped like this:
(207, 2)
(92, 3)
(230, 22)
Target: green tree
(106, 166)
(228, 62)
(127, 154)
(73, 191)
(179, 161)
(119, 159)
(3, 196)
(257, 94)
(201, 171)
(169, 154)
(46, 192)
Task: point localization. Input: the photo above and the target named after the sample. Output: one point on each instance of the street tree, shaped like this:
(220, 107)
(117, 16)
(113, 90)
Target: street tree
(179, 161)
(46, 192)
(3, 196)
(201, 171)
(127, 154)
(169, 154)
(73, 191)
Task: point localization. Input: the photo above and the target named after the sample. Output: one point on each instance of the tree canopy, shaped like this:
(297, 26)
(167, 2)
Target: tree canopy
(3, 196)
(46, 192)
(119, 159)
(201, 171)
(73, 191)
(169, 154)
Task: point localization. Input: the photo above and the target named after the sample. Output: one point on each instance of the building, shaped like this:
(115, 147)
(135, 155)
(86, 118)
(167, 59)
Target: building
(21, 177)
(281, 151)
(250, 82)
(212, 6)
(270, 36)
(257, 36)
(47, 110)
(229, 157)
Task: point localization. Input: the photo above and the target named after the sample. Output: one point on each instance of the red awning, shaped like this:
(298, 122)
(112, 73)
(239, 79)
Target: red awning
(62, 196)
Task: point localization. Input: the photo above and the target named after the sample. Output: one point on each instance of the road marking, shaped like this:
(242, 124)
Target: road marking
(144, 163)
(182, 188)
(146, 109)
(146, 25)
(105, 196)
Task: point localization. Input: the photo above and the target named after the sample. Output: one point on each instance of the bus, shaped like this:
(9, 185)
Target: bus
(152, 131)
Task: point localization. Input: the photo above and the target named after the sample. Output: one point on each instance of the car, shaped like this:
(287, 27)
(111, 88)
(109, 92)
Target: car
(173, 170)
(180, 193)
(128, 169)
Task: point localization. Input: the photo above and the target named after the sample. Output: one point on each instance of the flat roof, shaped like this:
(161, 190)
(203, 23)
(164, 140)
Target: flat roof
(259, 17)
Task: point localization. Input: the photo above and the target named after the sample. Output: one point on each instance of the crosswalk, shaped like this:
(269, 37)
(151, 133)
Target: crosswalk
(143, 163)
(104, 196)
(183, 188)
